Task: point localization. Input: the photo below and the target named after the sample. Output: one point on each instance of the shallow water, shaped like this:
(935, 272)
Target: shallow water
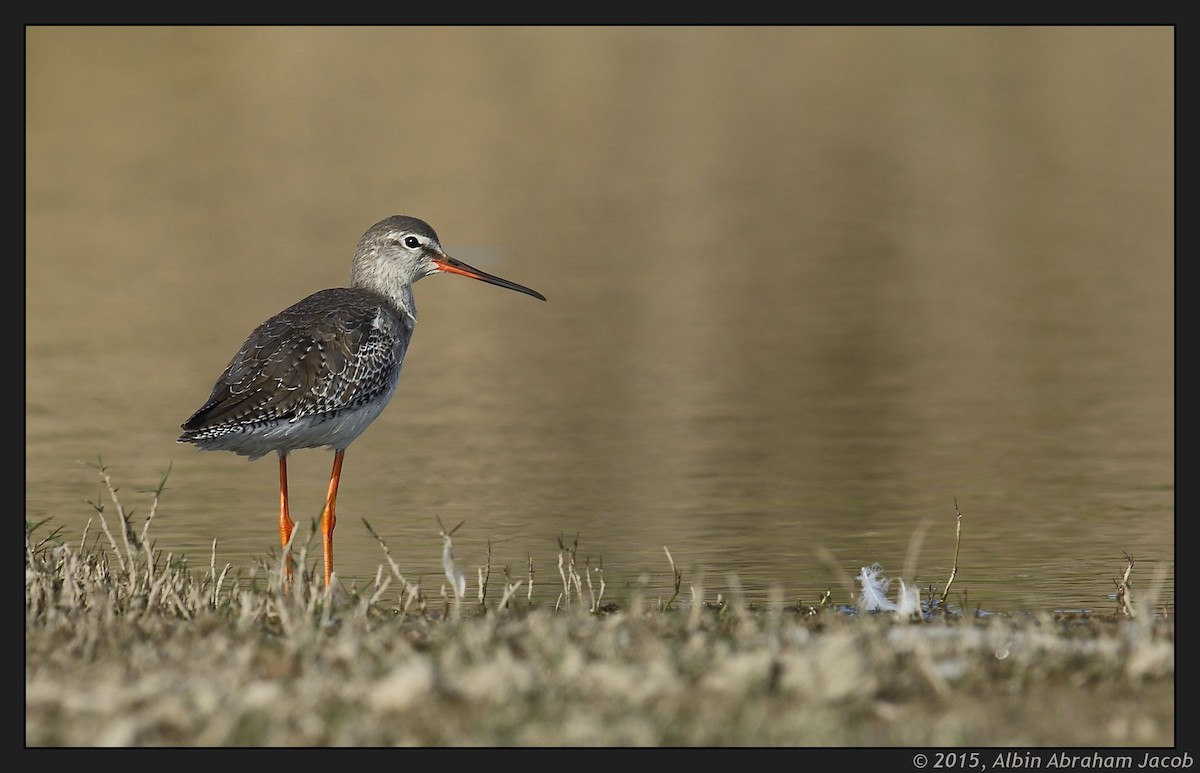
(808, 289)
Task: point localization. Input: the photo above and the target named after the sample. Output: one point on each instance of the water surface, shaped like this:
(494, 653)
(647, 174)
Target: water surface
(808, 289)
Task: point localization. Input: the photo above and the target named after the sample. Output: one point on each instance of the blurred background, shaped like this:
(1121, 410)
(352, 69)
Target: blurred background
(808, 288)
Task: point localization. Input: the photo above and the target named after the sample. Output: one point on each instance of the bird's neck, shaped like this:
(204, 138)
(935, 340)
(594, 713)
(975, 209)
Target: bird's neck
(389, 283)
(402, 301)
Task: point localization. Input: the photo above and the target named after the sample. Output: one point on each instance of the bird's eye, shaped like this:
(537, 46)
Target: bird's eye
(412, 242)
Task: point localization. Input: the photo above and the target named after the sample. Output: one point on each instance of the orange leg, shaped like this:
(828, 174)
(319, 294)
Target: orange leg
(328, 519)
(285, 520)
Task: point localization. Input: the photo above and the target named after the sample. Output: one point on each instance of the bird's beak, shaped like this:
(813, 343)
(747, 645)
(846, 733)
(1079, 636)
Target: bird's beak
(456, 266)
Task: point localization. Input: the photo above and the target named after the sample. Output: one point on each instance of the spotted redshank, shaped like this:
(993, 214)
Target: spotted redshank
(320, 371)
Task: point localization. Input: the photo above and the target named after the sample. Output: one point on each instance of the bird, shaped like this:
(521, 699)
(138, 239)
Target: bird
(319, 372)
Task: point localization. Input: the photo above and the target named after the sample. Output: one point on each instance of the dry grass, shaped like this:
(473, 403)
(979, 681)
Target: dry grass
(127, 647)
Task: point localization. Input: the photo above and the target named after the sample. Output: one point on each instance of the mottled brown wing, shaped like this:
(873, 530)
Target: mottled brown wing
(334, 349)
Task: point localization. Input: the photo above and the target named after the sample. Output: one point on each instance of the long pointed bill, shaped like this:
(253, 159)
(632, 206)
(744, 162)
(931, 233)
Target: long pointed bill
(456, 266)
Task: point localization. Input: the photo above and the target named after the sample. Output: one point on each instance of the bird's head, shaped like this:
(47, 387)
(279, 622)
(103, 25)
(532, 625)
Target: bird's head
(399, 250)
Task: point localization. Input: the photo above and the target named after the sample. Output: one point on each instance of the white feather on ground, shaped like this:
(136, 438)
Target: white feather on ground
(873, 595)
